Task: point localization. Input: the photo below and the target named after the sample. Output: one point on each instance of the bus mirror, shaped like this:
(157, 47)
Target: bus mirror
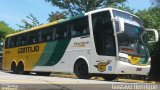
(153, 37)
(120, 25)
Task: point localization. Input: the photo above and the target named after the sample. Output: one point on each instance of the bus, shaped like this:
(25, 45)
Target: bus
(105, 42)
(1, 46)
(0, 60)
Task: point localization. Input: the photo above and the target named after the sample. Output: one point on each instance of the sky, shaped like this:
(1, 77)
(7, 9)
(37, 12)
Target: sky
(13, 11)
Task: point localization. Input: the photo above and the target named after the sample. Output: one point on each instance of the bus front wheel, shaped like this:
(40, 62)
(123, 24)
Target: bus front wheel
(81, 70)
(109, 77)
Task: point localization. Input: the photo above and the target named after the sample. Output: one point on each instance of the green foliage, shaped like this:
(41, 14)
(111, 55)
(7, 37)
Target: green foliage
(4, 30)
(151, 19)
(124, 8)
(75, 7)
(31, 22)
(56, 16)
(156, 3)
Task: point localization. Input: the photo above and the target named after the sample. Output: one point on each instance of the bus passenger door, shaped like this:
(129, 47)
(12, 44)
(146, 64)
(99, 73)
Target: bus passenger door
(104, 47)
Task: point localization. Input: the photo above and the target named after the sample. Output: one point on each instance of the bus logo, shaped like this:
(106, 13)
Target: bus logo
(102, 66)
(81, 44)
(28, 49)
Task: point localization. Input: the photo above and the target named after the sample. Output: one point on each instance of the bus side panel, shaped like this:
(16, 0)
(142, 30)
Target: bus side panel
(29, 55)
(54, 57)
(75, 48)
(79, 48)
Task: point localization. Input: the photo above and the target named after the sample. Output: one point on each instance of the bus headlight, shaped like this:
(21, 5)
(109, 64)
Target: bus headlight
(124, 59)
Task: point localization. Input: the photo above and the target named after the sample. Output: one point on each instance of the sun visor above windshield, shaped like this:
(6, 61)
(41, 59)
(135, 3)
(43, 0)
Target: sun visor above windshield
(130, 22)
(128, 18)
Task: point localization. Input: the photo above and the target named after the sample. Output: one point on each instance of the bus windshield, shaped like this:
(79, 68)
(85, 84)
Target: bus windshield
(134, 40)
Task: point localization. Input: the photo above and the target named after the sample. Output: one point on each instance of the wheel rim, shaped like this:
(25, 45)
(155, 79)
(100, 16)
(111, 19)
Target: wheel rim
(14, 69)
(20, 69)
(82, 69)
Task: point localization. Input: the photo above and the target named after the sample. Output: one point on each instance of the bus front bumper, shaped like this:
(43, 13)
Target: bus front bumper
(127, 68)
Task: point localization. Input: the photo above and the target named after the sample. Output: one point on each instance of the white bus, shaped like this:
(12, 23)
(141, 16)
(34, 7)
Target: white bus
(105, 42)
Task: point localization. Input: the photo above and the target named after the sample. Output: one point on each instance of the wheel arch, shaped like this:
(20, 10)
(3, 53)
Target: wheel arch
(13, 62)
(21, 61)
(83, 59)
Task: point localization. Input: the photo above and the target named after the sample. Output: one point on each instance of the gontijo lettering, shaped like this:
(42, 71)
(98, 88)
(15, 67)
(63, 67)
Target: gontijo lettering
(28, 49)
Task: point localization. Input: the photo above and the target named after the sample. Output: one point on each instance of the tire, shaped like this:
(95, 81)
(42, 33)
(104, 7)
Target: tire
(109, 77)
(81, 70)
(27, 72)
(143, 77)
(14, 68)
(20, 68)
(43, 73)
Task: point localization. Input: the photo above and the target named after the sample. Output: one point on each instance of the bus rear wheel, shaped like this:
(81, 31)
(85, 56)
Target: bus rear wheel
(109, 77)
(14, 68)
(20, 68)
(81, 70)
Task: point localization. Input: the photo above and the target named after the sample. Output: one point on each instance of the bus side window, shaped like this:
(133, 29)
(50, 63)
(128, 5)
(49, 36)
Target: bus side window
(12, 44)
(40, 39)
(54, 34)
(34, 40)
(65, 34)
(24, 39)
(8, 43)
(80, 27)
(61, 31)
(29, 40)
(48, 37)
(86, 31)
(47, 34)
(33, 37)
(75, 32)
(18, 41)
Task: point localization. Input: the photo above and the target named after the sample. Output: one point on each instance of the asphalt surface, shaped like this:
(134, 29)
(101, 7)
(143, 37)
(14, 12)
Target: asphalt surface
(9, 81)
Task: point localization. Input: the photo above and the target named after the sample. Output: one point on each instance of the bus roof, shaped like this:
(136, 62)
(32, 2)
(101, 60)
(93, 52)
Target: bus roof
(46, 25)
(104, 9)
(64, 20)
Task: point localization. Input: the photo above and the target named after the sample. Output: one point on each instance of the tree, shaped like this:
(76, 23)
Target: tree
(156, 3)
(56, 16)
(31, 22)
(4, 30)
(151, 19)
(75, 7)
(125, 8)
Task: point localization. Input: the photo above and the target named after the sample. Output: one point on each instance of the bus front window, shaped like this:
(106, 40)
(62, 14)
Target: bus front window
(133, 42)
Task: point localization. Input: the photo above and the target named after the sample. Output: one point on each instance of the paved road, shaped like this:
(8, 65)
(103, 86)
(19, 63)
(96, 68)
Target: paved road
(10, 81)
